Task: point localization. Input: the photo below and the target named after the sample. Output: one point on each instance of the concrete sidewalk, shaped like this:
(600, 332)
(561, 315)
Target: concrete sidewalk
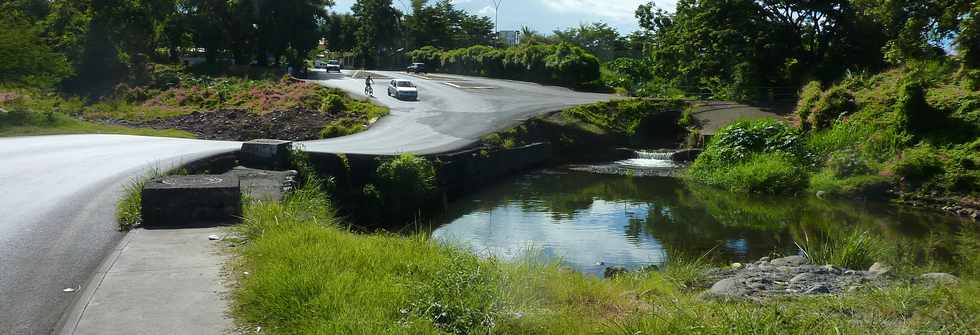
(166, 281)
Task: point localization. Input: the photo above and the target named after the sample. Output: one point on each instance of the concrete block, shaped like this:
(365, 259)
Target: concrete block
(175, 201)
(266, 154)
(264, 185)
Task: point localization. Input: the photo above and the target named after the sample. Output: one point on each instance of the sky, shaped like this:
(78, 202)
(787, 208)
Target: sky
(546, 16)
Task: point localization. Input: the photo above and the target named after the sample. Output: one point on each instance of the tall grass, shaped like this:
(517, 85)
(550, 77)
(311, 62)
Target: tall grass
(129, 209)
(856, 249)
(307, 274)
(128, 213)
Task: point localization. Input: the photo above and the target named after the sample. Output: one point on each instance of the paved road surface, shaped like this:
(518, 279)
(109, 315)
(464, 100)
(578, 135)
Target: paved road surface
(449, 114)
(59, 192)
(57, 221)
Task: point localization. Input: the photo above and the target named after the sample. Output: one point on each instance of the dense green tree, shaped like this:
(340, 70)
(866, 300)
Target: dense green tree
(598, 38)
(377, 30)
(339, 32)
(745, 49)
(442, 25)
(25, 60)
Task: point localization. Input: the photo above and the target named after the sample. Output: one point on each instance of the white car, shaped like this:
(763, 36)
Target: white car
(403, 89)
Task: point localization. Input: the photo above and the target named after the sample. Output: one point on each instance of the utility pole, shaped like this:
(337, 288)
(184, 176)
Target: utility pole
(496, 15)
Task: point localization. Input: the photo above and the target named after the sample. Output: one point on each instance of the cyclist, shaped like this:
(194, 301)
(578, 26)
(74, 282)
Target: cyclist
(367, 85)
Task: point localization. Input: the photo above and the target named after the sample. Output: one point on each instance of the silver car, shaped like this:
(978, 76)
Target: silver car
(403, 89)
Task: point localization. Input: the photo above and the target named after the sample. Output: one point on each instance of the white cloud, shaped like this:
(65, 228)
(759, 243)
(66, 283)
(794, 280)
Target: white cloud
(618, 10)
(487, 11)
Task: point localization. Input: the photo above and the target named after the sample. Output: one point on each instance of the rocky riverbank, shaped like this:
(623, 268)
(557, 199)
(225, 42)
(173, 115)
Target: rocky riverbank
(794, 275)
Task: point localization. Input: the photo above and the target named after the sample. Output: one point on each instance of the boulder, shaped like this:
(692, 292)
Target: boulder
(613, 271)
(727, 287)
(790, 261)
(879, 268)
(940, 278)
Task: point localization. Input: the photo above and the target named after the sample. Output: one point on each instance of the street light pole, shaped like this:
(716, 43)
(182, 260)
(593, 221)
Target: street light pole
(496, 15)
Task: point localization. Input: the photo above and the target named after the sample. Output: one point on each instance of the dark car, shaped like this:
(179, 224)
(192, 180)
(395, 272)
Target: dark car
(333, 65)
(416, 68)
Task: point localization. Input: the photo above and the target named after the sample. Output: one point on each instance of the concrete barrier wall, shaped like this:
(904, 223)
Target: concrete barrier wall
(465, 172)
(458, 173)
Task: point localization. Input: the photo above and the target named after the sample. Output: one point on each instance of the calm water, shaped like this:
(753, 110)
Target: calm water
(591, 221)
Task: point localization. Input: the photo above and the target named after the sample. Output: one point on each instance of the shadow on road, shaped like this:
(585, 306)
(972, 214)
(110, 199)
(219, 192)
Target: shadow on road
(323, 75)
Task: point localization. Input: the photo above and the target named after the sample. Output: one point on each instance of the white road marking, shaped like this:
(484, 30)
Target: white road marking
(468, 87)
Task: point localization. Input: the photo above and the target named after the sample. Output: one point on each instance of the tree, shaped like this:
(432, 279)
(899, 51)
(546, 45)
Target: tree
(289, 28)
(377, 29)
(442, 25)
(745, 49)
(598, 38)
(339, 32)
(25, 60)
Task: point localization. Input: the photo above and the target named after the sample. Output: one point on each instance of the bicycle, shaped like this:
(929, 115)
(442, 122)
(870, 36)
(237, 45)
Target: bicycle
(369, 91)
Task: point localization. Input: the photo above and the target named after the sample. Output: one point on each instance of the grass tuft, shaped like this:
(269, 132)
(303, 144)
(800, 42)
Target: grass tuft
(128, 213)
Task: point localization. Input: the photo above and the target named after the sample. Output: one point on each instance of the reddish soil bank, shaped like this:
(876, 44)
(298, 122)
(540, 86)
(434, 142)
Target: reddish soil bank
(240, 125)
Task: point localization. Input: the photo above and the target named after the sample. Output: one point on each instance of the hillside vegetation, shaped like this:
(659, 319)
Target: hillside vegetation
(911, 130)
(173, 91)
(562, 63)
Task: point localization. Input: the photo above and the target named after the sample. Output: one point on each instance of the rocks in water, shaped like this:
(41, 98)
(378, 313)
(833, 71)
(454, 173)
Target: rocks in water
(940, 278)
(613, 271)
(879, 268)
(792, 275)
(789, 261)
(686, 155)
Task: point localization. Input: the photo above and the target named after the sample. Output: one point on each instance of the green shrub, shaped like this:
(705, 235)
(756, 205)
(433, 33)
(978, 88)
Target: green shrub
(572, 65)
(564, 64)
(809, 96)
(342, 126)
(768, 173)
(17, 116)
(332, 103)
(846, 163)
(762, 156)
(743, 139)
(406, 184)
(910, 104)
(619, 116)
(918, 164)
(855, 249)
(833, 104)
(827, 182)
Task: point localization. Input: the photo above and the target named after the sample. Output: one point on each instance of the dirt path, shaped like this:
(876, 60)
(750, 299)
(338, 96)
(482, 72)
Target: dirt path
(714, 115)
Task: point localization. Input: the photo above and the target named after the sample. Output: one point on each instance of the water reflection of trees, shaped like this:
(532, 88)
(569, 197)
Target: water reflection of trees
(694, 219)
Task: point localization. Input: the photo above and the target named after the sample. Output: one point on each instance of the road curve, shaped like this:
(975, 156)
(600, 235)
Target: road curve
(452, 112)
(59, 193)
(57, 214)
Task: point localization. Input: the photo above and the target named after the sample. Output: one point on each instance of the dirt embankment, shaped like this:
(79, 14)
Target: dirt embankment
(241, 125)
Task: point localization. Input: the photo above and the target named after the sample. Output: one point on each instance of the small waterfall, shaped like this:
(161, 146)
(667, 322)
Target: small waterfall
(663, 156)
(648, 160)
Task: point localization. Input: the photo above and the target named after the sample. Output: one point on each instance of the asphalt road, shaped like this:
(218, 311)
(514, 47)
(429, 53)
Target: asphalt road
(57, 214)
(452, 112)
(59, 193)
